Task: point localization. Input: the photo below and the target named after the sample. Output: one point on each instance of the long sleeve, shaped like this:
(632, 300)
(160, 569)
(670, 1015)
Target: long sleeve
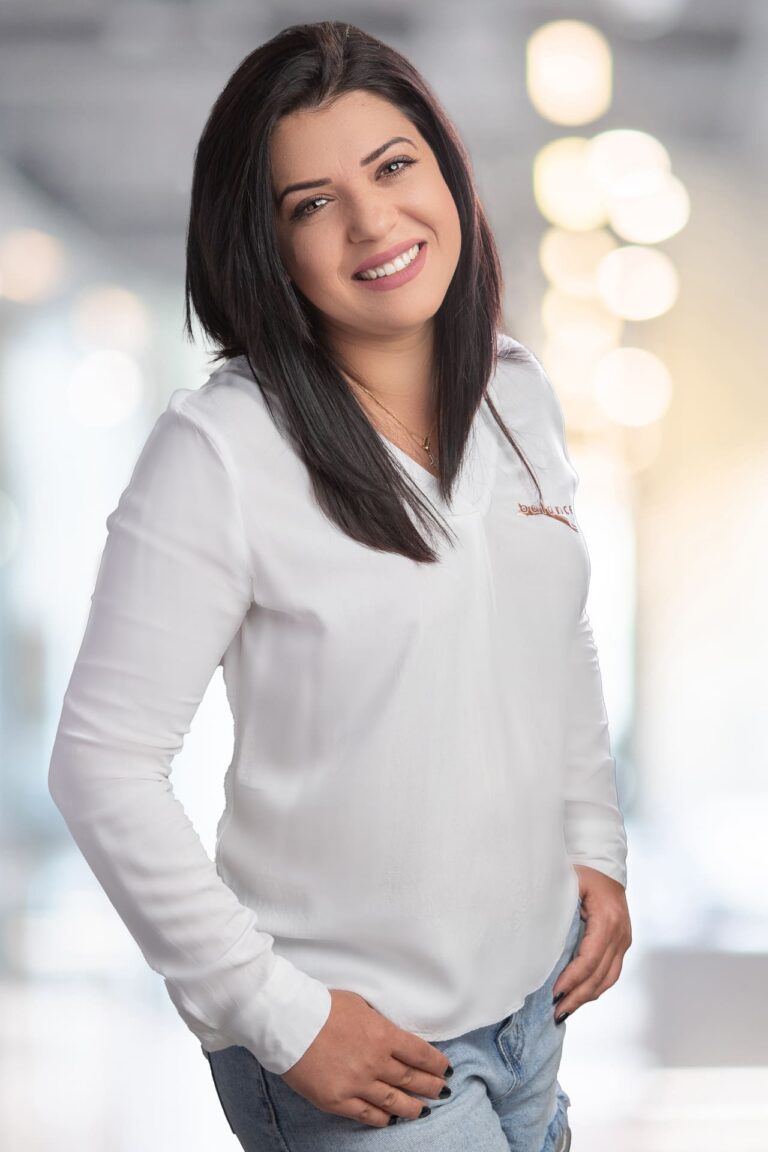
(172, 589)
(594, 826)
(594, 829)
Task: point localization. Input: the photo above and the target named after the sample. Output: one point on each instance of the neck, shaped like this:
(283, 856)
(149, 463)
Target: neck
(396, 371)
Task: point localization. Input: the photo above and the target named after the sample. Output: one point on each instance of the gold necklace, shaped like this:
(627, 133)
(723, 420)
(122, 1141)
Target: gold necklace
(423, 444)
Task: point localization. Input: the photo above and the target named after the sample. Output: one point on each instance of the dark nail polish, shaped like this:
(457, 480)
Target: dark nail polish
(559, 1019)
(448, 1071)
(424, 1112)
(558, 997)
(392, 1120)
(445, 1092)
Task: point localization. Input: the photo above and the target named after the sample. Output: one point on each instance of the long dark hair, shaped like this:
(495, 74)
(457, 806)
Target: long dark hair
(249, 307)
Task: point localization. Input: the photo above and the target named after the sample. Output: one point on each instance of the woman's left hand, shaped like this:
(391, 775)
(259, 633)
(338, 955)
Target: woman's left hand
(608, 935)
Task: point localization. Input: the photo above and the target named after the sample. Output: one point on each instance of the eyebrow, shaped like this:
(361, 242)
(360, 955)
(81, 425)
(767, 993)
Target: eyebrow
(304, 184)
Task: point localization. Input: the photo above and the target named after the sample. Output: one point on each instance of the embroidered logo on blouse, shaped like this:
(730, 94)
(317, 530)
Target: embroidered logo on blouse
(560, 512)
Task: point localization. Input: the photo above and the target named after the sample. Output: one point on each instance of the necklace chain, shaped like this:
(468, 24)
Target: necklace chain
(422, 444)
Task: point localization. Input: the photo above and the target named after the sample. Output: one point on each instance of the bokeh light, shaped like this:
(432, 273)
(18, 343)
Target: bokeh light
(563, 187)
(632, 386)
(109, 316)
(649, 208)
(569, 72)
(32, 265)
(105, 388)
(570, 260)
(637, 283)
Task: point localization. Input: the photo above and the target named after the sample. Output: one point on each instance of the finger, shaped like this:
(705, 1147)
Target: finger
(419, 1053)
(591, 953)
(578, 970)
(410, 1079)
(588, 988)
(392, 1102)
(581, 973)
(612, 975)
(367, 1113)
(604, 980)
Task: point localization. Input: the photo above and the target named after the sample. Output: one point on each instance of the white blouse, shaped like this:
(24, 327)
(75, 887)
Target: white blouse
(421, 751)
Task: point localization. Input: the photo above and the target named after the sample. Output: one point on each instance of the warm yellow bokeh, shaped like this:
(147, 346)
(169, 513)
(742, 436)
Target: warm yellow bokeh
(563, 187)
(569, 72)
(637, 283)
(570, 260)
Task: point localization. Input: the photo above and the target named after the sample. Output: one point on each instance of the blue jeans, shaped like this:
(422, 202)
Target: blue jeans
(505, 1092)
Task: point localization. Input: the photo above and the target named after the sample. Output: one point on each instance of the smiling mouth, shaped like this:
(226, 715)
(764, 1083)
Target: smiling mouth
(364, 275)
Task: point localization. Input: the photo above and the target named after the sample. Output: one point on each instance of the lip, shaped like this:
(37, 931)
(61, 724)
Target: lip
(402, 276)
(386, 257)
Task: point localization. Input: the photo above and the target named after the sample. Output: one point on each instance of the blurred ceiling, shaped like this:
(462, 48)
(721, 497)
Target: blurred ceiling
(102, 101)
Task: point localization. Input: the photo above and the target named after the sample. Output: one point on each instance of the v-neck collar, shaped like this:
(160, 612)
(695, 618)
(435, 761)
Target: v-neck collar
(403, 455)
(475, 479)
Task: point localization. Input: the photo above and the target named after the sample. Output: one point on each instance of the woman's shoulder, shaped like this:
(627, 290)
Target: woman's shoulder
(521, 385)
(229, 406)
(510, 350)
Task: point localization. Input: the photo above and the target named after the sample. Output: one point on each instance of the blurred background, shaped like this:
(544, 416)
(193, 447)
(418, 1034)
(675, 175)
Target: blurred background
(620, 148)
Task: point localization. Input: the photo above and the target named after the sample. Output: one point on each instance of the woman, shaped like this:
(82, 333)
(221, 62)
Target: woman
(421, 812)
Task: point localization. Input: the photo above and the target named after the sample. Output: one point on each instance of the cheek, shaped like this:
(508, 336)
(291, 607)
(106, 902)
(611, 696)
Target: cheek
(436, 204)
(303, 261)
(450, 214)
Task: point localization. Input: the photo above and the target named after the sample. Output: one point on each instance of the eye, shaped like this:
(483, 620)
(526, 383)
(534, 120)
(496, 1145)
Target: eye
(301, 210)
(407, 160)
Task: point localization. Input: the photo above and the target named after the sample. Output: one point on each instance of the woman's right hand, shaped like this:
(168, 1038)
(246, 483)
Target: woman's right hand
(363, 1066)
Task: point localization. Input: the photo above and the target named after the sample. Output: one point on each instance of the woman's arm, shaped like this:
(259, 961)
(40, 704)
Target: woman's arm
(172, 589)
(595, 835)
(594, 826)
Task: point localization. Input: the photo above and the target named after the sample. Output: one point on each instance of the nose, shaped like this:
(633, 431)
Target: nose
(370, 219)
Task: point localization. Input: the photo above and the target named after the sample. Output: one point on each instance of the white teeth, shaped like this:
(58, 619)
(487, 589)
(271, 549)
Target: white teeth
(400, 262)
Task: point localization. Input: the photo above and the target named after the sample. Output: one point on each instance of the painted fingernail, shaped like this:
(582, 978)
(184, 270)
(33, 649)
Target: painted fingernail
(559, 1019)
(558, 997)
(392, 1120)
(445, 1092)
(448, 1071)
(424, 1112)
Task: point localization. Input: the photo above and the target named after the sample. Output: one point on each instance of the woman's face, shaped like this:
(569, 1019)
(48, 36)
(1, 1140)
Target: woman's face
(362, 210)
